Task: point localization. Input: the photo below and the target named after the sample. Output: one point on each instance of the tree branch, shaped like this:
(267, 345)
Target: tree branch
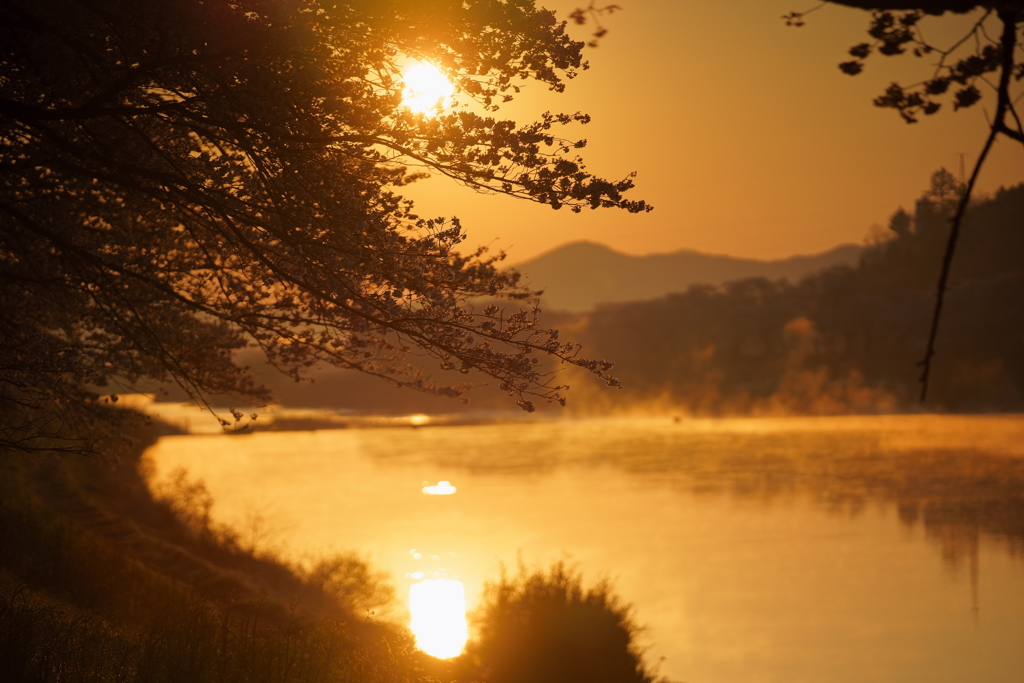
(1007, 43)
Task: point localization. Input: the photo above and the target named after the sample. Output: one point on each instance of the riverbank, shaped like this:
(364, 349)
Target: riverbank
(100, 581)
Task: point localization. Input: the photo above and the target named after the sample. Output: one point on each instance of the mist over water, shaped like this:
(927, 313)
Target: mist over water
(839, 549)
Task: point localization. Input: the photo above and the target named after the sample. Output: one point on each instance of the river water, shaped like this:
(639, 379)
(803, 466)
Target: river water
(799, 549)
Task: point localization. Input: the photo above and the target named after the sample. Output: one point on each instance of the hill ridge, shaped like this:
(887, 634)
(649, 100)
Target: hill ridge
(580, 275)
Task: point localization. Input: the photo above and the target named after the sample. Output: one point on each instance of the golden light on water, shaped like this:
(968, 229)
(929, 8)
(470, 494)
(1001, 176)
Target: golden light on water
(438, 609)
(637, 507)
(443, 488)
(426, 88)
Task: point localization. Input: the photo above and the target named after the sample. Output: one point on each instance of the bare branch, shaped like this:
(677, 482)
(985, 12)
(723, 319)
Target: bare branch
(998, 125)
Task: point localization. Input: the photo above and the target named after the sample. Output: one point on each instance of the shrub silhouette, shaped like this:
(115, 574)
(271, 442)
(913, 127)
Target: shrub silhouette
(351, 581)
(546, 627)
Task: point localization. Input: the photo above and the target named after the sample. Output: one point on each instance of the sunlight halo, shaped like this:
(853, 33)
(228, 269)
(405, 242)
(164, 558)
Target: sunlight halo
(427, 90)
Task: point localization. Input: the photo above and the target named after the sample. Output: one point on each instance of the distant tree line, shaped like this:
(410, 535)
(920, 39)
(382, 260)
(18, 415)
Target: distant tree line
(847, 339)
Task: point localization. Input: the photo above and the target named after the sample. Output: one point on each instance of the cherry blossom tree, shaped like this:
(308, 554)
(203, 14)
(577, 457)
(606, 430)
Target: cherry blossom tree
(185, 178)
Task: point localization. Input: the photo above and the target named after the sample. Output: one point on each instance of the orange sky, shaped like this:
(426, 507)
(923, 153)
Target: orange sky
(743, 132)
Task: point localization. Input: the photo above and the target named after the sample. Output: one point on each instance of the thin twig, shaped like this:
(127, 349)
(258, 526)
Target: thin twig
(947, 262)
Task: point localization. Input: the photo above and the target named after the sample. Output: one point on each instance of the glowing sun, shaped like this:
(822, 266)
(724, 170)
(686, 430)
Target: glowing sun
(426, 88)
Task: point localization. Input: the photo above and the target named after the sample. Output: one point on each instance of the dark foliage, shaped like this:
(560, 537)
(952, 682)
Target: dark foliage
(896, 29)
(183, 179)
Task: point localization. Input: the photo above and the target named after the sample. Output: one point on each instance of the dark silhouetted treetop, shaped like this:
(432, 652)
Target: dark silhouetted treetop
(900, 222)
(183, 178)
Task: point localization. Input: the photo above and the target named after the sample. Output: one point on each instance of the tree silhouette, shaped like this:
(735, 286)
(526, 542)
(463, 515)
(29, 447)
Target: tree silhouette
(185, 178)
(959, 71)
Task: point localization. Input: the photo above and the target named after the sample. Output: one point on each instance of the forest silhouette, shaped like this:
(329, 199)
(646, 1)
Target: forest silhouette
(847, 339)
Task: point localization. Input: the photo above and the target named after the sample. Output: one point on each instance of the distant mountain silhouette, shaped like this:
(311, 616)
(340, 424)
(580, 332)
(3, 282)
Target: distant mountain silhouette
(580, 275)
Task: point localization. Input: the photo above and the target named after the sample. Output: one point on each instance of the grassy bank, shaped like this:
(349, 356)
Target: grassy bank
(100, 581)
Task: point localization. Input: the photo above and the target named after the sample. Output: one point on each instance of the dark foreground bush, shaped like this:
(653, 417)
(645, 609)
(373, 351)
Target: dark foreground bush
(546, 627)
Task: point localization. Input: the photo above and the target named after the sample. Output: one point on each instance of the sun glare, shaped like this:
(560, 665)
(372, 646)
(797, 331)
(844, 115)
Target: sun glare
(426, 88)
(438, 609)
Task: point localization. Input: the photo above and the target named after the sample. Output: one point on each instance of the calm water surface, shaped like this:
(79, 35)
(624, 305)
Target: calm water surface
(804, 549)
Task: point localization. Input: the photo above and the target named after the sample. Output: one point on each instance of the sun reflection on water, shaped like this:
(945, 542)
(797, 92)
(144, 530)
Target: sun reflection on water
(438, 609)
(443, 488)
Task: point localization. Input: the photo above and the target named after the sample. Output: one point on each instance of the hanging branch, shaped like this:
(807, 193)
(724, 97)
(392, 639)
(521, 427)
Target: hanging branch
(998, 125)
(895, 30)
